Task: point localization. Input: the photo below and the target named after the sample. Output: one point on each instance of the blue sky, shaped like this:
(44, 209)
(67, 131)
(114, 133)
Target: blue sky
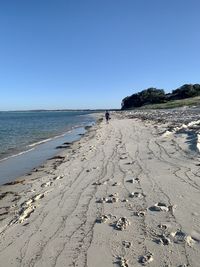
(93, 53)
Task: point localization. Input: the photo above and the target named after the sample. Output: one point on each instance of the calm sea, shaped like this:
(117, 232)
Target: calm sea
(21, 131)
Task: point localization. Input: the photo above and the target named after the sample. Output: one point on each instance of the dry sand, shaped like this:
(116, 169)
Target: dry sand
(126, 194)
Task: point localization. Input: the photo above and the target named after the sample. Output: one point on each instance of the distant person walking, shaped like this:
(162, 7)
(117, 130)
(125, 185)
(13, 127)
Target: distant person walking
(107, 116)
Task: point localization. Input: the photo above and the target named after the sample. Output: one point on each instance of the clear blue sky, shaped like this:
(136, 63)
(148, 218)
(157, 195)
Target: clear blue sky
(92, 53)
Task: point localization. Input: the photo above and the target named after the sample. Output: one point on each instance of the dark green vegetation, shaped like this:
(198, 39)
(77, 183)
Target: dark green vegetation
(185, 95)
(192, 101)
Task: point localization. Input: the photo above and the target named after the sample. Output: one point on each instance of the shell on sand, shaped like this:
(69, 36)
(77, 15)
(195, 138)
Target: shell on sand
(159, 207)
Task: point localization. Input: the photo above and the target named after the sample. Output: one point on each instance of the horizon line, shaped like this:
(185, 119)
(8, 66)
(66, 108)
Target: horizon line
(24, 110)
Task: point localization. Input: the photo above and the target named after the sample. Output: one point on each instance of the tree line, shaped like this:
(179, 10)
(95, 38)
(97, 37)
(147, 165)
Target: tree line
(157, 96)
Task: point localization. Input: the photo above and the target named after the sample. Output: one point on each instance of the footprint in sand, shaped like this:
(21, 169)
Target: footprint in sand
(28, 207)
(136, 195)
(145, 259)
(140, 213)
(103, 219)
(111, 199)
(25, 213)
(126, 244)
(113, 195)
(162, 239)
(39, 196)
(162, 226)
(58, 177)
(129, 163)
(125, 200)
(102, 200)
(97, 183)
(122, 262)
(133, 180)
(116, 184)
(121, 224)
(180, 237)
(47, 184)
(123, 157)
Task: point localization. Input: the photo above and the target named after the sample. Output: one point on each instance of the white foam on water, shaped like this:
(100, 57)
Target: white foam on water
(40, 142)
(18, 154)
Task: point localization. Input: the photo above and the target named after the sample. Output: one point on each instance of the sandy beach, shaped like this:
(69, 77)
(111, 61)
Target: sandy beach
(127, 194)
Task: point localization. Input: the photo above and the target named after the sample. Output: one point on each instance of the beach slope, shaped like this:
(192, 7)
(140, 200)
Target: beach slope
(124, 195)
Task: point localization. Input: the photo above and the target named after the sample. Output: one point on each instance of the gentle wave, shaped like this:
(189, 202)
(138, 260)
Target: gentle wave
(35, 144)
(18, 154)
(49, 139)
(40, 142)
(21, 131)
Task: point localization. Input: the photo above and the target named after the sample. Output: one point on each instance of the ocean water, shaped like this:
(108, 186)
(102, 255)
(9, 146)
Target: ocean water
(22, 131)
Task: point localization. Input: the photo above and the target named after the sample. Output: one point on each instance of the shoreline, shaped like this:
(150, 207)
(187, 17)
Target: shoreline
(36, 129)
(24, 162)
(123, 195)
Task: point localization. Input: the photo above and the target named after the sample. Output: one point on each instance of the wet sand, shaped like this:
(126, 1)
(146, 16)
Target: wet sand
(126, 194)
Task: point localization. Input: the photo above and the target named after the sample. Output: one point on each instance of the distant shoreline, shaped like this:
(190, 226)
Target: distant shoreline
(61, 110)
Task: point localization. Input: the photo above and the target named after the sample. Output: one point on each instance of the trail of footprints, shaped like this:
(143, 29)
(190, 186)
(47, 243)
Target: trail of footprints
(121, 224)
(26, 208)
(165, 238)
